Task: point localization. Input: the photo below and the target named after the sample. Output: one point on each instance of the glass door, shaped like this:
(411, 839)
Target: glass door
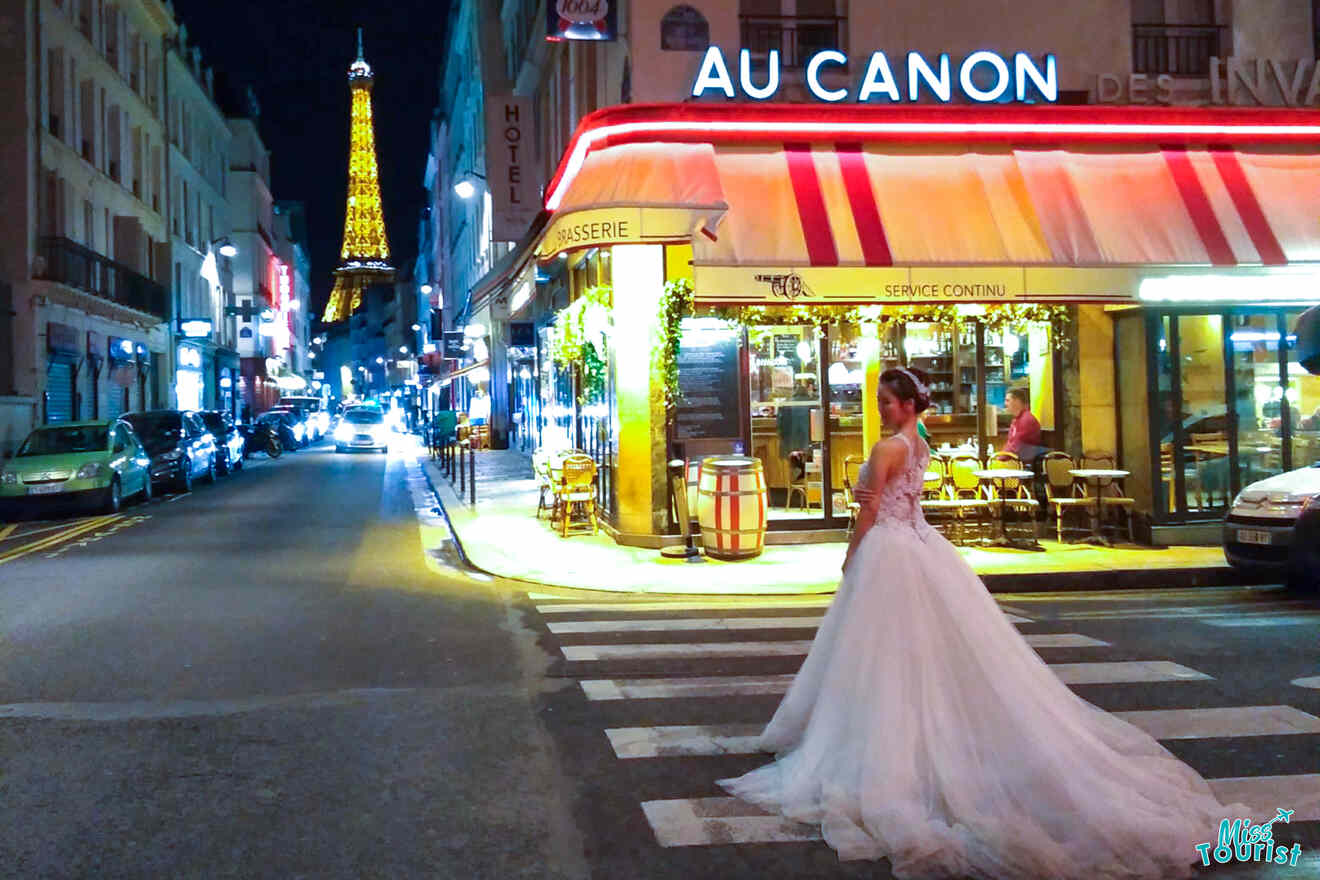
(1204, 423)
(1302, 397)
(788, 420)
(1257, 396)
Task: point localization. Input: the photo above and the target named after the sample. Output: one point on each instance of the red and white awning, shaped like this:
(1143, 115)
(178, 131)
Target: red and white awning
(1004, 199)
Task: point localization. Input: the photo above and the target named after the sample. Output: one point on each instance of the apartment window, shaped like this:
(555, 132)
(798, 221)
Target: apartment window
(684, 29)
(816, 25)
(55, 92)
(1182, 46)
(87, 120)
(89, 224)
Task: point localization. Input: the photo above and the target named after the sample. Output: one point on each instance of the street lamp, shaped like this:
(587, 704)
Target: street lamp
(416, 328)
(426, 288)
(225, 247)
(466, 185)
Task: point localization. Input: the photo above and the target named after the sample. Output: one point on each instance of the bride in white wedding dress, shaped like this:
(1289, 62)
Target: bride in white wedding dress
(922, 728)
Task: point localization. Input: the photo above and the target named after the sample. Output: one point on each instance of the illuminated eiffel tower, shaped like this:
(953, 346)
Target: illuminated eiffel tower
(365, 255)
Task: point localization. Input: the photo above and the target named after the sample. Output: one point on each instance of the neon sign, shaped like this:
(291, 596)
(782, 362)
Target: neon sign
(983, 77)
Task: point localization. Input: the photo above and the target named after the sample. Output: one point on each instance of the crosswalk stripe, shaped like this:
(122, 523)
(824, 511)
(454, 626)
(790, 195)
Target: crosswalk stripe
(1122, 672)
(700, 740)
(1211, 612)
(676, 623)
(714, 605)
(726, 820)
(1266, 620)
(571, 627)
(793, 648)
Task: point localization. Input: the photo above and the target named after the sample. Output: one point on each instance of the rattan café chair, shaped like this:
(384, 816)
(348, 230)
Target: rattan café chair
(576, 495)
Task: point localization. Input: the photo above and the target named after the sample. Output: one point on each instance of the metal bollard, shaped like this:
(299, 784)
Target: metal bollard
(472, 475)
(462, 471)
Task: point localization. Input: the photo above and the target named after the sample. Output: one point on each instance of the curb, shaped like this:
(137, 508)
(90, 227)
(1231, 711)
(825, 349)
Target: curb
(1045, 582)
(422, 462)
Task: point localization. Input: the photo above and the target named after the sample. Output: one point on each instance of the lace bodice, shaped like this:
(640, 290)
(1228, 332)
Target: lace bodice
(900, 499)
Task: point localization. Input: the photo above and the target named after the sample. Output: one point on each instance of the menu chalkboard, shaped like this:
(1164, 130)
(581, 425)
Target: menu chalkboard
(708, 377)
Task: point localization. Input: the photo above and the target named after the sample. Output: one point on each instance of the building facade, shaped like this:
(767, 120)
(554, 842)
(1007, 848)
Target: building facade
(204, 352)
(84, 269)
(995, 261)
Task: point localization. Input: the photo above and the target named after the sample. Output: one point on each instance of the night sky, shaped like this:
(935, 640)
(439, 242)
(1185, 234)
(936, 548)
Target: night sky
(295, 55)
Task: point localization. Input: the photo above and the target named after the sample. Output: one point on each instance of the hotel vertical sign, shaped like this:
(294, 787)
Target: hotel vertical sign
(510, 166)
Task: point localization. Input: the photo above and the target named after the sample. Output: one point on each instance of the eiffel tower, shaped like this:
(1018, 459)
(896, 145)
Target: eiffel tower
(365, 254)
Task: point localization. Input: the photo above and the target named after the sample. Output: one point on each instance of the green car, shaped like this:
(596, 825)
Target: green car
(82, 464)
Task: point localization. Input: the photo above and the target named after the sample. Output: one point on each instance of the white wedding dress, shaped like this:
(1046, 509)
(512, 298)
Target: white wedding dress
(922, 728)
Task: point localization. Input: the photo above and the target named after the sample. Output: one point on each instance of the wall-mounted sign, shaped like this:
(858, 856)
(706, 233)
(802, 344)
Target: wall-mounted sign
(195, 328)
(595, 227)
(62, 339)
(120, 349)
(510, 166)
(708, 376)
(452, 344)
(684, 29)
(872, 285)
(982, 77)
(581, 19)
(189, 358)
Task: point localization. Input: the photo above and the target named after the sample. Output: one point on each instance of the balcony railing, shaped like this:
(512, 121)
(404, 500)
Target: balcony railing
(1176, 49)
(70, 263)
(796, 38)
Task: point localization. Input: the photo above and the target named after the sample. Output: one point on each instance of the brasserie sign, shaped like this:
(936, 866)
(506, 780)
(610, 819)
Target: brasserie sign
(983, 77)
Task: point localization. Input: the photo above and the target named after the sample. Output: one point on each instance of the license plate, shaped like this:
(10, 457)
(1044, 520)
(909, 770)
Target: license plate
(46, 489)
(1253, 536)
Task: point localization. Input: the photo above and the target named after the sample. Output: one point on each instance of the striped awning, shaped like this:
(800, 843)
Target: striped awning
(993, 217)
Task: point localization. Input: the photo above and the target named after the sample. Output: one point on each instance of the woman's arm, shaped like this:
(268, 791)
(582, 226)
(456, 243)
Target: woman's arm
(879, 467)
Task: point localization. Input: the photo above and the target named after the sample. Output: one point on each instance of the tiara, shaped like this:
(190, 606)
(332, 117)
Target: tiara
(921, 387)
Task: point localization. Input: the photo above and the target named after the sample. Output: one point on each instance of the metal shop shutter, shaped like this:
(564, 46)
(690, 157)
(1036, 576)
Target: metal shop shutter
(59, 392)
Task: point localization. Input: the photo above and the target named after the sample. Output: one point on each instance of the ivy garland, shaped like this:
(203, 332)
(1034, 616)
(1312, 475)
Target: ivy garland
(579, 338)
(996, 317)
(675, 305)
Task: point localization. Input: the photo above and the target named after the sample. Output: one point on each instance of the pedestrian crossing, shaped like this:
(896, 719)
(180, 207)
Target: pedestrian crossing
(646, 637)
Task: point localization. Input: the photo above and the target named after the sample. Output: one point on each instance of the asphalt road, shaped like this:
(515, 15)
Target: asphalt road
(264, 679)
(268, 678)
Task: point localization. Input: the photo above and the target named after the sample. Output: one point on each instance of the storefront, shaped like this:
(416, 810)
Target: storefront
(189, 377)
(1111, 262)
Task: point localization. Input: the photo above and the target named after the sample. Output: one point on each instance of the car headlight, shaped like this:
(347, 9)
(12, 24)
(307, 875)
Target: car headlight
(89, 470)
(1312, 503)
(343, 434)
(9, 478)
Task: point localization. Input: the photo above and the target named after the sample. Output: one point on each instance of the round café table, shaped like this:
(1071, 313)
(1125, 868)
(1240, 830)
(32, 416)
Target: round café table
(997, 477)
(1092, 477)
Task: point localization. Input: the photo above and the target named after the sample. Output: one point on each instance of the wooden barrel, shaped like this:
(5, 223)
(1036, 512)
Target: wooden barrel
(731, 506)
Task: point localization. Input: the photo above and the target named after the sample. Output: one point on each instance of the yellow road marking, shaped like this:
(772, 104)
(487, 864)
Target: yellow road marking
(7, 531)
(46, 543)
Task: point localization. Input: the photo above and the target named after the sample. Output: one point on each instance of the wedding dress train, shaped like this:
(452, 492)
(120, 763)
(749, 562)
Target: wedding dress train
(924, 729)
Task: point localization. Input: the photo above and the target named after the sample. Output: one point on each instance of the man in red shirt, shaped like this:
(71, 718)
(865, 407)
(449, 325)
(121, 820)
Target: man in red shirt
(1024, 433)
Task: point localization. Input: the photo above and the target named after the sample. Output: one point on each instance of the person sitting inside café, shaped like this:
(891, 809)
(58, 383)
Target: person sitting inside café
(1024, 439)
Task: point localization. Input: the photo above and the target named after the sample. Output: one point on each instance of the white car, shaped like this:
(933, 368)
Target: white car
(362, 429)
(1260, 529)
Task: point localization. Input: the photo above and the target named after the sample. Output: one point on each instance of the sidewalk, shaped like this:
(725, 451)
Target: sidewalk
(502, 537)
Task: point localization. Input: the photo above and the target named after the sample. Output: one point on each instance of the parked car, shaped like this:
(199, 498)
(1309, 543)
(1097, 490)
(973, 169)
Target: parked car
(79, 464)
(1260, 530)
(286, 425)
(362, 429)
(313, 413)
(180, 447)
(229, 441)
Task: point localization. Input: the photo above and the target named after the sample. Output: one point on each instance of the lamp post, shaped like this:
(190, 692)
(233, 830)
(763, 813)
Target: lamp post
(465, 187)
